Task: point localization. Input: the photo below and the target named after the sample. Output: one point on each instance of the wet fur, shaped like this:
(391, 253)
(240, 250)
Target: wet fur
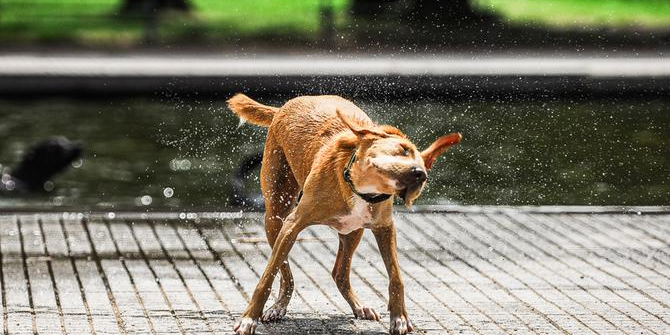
(309, 142)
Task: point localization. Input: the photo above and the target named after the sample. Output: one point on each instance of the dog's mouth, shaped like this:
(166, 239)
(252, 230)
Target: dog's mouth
(410, 192)
(402, 193)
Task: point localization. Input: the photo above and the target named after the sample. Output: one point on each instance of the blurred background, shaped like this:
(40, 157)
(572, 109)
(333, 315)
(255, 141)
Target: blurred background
(352, 25)
(561, 102)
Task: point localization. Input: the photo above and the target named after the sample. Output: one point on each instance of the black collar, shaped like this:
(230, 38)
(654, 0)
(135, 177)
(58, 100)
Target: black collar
(372, 198)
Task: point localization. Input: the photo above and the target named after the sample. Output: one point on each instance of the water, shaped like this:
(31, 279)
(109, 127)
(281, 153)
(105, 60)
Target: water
(180, 154)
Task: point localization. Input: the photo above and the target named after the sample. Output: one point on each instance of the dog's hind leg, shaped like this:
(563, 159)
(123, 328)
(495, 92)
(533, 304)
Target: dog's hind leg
(280, 190)
(341, 271)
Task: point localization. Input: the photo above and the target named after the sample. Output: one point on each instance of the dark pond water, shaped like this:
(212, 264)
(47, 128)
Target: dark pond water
(141, 153)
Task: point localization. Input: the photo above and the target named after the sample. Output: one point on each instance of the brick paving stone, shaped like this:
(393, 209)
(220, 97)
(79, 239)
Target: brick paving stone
(474, 271)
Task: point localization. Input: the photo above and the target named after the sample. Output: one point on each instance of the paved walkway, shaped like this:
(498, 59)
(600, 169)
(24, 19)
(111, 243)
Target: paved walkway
(354, 74)
(480, 272)
(319, 65)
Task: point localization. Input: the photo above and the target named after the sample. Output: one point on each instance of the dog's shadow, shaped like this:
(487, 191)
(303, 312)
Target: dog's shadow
(325, 324)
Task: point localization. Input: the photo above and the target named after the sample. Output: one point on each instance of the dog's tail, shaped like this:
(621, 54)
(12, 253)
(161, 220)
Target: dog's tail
(251, 111)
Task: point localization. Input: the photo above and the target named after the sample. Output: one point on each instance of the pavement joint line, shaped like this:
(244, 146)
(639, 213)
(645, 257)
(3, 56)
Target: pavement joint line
(105, 280)
(461, 222)
(73, 264)
(589, 223)
(473, 252)
(179, 273)
(138, 296)
(477, 308)
(626, 268)
(3, 291)
(199, 266)
(600, 271)
(459, 259)
(546, 253)
(609, 274)
(525, 226)
(26, 275)
(147, 263)
(657, 238)
(51, 275)
(217, 256)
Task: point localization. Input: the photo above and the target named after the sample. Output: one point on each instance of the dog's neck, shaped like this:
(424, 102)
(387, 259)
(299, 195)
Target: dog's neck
(371, 198)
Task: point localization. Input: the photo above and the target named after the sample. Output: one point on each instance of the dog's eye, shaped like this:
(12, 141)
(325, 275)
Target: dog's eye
(405, 152)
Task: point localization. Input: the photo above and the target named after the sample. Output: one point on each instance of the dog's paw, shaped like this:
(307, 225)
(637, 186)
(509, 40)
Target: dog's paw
(245, 326)
(366, 313)
(274, 313)
(400, 325)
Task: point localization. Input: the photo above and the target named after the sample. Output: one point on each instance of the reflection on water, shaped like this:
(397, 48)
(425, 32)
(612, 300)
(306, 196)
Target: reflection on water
(142, 153)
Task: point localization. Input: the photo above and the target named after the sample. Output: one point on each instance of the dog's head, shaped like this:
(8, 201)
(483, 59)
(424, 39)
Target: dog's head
(390, 162)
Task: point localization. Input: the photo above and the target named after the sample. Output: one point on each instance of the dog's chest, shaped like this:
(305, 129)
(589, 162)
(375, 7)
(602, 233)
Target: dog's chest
(359, 217)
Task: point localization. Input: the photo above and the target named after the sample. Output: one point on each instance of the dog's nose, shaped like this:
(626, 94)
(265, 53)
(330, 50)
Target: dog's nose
(419, 174)
(414, 176)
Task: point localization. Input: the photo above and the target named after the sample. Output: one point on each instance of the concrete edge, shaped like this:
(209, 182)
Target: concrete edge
(200, 214)
(543, 209)
(122, 76)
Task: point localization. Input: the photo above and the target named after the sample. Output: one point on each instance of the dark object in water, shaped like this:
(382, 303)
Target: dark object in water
(239, 196)
(41, 162)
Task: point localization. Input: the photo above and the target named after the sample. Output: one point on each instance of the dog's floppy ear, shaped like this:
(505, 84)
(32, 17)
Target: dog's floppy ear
(438, 147)
(359, 130)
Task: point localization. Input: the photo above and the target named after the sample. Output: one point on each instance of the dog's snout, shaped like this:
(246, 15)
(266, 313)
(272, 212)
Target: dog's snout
(414, 175)
(419, 174)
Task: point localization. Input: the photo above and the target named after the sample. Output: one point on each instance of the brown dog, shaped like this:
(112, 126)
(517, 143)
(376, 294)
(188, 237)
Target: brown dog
(348, 169)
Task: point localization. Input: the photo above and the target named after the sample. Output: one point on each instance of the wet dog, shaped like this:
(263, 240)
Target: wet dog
(39, 164)
(343, 170)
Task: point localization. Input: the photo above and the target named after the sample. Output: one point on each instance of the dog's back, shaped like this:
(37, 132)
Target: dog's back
(302, 126)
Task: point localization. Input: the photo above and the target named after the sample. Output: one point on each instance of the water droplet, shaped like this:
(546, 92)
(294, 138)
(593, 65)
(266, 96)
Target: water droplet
(180, 164)
(57, 201)
(78, 163)
(146, 200)
(48, 186)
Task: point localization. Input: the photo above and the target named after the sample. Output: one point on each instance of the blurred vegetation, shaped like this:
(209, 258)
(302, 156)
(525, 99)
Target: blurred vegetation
(583, 13)
(98, 22)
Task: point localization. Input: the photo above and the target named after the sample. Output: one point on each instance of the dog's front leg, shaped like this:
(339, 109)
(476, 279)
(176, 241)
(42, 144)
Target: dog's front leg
(386, 240)
(287, 236)
(341, 271)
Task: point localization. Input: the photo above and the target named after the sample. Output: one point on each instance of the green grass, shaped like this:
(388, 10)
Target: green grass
(652, 14)
(221, 22)
(95, 22)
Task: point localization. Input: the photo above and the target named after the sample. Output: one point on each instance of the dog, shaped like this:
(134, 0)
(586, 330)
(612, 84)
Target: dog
(326, 162)
(39, 164)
